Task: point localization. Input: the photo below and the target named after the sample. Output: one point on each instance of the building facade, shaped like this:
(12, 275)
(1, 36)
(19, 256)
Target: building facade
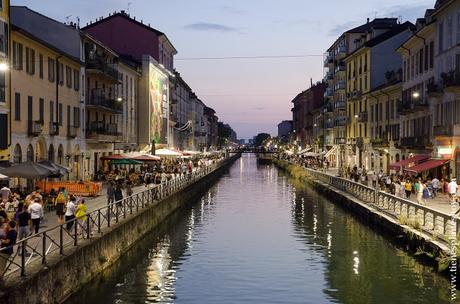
(45, 85)
(5, 91)
(284, 128)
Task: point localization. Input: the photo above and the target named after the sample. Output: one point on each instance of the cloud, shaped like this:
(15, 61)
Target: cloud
(205, 27)
(404, 11)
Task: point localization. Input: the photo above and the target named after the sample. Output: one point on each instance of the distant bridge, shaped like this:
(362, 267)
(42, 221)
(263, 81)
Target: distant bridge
(254, 150)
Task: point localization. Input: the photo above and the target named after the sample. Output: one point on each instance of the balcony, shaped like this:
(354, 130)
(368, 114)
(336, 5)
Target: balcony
(340, 104)
(414, 142)
(99, 131)
(341, 51)
(98, 65)
(329, 124)
(100, 100)
(329, 92)
(71, 131)
(340, 141)
(339, 68)
(34, 127)
(433, 89)
(54, 128)
(340, 85)
(446, 131)
(362, 117)
(327, 108)
(451, 80)
(329, 75)
(341, 121)
(379, 143)
(410, 105)
(328, 60)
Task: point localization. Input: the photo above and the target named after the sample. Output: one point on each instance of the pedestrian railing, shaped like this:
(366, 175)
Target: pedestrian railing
(64, 238)
(438, 224)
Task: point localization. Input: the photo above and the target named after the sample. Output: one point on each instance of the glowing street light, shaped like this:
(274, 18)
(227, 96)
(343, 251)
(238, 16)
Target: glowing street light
(119, 99)
(4, 67)
(416, 94)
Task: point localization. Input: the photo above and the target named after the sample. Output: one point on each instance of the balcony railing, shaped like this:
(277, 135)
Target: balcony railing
(329, 75)
(327, 108)
(341, 121)
(71, 131)
(340, 104)
(340, 141)
(54, 128)
(103, 132)
(414, 142)
(362, 117)
(329, 92)
(341, 50)
(329, 124)
(411, 104)
(451, 79)
(447, 130)
(34, 127)
(379, 142)
(98, 98)
(341, 85)
(328, 60)
(340, 68)
(100, 65)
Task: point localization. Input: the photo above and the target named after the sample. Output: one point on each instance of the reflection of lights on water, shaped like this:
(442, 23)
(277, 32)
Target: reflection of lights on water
(315, 222)
(329, 241)
(355, 262)
(161, 279)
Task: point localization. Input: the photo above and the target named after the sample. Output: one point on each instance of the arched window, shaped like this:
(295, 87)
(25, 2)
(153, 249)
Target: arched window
(17, 156)
(30, 153)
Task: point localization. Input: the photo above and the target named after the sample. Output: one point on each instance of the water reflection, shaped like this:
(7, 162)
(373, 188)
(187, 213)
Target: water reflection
(259, 237)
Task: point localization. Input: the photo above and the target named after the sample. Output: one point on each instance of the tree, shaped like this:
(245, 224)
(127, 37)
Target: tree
(260, 138)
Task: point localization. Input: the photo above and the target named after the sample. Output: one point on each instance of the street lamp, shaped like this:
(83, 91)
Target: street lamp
(416, 94)
(4, 66)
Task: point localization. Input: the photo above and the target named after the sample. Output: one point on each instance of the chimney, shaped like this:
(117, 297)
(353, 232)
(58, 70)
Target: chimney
(122, 12)
(311, 82)
(367, 20)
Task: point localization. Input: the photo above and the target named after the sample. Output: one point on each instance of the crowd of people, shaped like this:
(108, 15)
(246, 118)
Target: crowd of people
(22, 212)
(402, 185)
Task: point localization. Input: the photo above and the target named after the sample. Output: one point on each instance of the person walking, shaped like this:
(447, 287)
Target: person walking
(110, 193)
(408, 188)
(60, 205)
(80, 214)
(6, 246)
(70, 212)
(435, 184)
(425, 193)
(419, 191)
(452, 190)
(24, 226)
(36, 213)
(118, 194)
(5, 193)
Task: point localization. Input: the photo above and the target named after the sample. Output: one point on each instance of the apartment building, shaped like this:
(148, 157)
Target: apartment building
(366, 69)
(45, 88)
(5, 93)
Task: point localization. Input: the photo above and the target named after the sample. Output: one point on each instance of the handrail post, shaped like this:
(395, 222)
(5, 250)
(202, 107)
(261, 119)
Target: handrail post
(124, 208)
(116, 213)
(75, 232)
(61, 240)
(23, 259)
(88, 226)
(44, 248)
(109, 213)
(99, 221)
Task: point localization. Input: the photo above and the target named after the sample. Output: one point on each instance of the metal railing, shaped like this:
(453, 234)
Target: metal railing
(62, 239)
(436, 223)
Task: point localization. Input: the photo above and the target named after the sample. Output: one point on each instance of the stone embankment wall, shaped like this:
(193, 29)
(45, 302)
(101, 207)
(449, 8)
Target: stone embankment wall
(63, 277)
(436, 252)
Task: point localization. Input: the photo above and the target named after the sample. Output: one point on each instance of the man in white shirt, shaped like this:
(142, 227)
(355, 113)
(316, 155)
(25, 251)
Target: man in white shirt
(435, 185)
(5, 192)
(453, 188)
(36, 213)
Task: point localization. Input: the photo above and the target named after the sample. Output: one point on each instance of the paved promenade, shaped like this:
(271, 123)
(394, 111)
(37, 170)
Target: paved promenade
(441, 203)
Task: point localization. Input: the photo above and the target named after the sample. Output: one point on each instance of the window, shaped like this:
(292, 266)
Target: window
(60, 114)
(4, 131)
(76, 79)
(76, 117)
(17, 55)
(51, 68)
(450, 31)
(2, 86)
(61, 73)
(420, 62)
(30, 61)
(30, 107)
(426, 56)
(3, 37)
(51, 112)
(68, 116)
(40, 65)
(458, 27)
(17, 106)
(41, 110)
(68, 76)
(431, 54)
(440, 37)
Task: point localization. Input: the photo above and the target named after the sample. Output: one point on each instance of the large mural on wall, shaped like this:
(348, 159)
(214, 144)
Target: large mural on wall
(158, 95)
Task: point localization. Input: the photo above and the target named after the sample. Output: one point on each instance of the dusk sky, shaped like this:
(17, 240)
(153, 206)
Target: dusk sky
(252, 95)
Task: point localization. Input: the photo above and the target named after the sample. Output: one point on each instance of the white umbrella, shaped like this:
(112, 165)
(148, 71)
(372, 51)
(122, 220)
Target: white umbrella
(3, 177)
(167, 152)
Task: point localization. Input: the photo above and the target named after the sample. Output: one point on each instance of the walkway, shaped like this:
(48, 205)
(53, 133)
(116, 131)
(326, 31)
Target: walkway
(441, 203)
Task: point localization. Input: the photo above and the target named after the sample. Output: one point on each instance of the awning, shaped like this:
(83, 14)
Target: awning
(425, 166)
(409, 162)
(113, 156)
(304, 151)
(125, 162)
(328, 153)
(311, 154)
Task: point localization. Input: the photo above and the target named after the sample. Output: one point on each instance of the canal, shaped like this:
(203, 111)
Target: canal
(257, 236)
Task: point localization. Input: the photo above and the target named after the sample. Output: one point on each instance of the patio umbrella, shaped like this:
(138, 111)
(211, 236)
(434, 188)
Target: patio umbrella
(61, 170)
(27, 170)
(3, 177)
(167, 152)
(125, 162)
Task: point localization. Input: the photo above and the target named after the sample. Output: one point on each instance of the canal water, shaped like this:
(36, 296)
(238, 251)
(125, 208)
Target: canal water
(257, 236)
